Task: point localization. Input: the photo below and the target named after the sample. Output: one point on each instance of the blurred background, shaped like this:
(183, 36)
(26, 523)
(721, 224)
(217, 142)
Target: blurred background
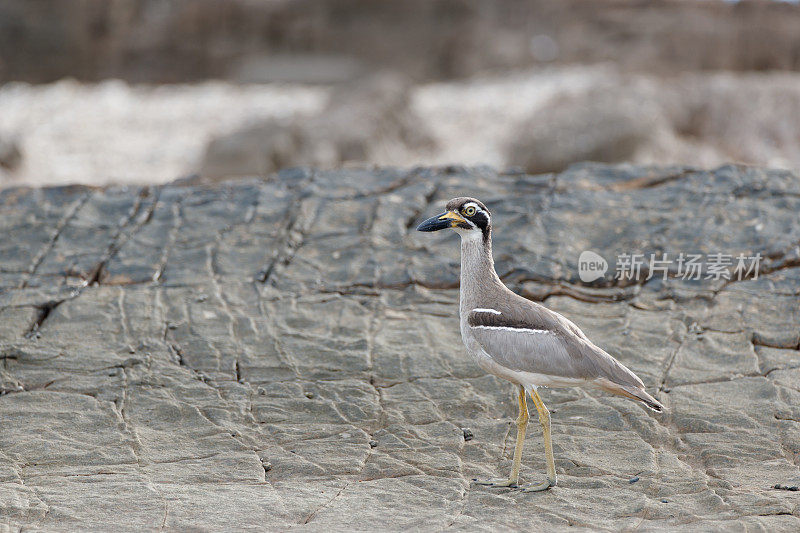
(149, 91)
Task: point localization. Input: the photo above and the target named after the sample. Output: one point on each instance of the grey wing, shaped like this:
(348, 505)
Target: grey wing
(537, 351)
(535, 339)
(594, 360)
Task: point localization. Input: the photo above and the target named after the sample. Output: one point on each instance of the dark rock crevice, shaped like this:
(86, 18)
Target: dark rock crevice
(62, 224)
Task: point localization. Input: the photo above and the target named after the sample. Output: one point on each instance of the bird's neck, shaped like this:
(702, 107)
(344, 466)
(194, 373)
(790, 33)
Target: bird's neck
(478, 277)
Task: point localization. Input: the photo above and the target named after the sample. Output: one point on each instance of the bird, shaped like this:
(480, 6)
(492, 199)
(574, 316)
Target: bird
(522, 341)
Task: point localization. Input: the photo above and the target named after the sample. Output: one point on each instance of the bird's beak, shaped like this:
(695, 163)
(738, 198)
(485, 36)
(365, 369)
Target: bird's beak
(450, 219)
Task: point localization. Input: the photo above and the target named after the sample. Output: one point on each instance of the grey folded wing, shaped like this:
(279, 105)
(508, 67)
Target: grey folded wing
(532, 338)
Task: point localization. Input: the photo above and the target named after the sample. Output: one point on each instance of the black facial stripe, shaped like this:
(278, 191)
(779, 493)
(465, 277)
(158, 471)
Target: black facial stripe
(483, 221)
(480, 219)
(468, 224)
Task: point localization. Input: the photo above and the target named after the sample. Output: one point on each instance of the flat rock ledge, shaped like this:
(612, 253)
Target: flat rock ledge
(285, 354)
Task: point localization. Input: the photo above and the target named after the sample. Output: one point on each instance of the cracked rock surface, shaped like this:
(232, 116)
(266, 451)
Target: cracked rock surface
(285, 354)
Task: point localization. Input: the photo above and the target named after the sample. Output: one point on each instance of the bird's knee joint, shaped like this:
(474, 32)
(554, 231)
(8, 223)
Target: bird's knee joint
(544, 418)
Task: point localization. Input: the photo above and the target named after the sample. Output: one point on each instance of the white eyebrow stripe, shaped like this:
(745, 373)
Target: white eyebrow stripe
(486, 310)
(516, 330)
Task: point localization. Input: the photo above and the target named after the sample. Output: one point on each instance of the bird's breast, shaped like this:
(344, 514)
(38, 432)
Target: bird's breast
(474, 349)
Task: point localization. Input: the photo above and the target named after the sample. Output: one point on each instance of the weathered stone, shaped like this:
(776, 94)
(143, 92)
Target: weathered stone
(279, 353)
(362, 122)
(10, 154)
(600, 125)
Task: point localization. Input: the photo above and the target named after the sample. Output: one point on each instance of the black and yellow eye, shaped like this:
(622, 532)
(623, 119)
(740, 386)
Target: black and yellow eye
(469, 210)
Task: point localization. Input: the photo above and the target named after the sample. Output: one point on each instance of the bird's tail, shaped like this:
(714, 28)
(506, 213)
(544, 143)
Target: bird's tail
(634, 393)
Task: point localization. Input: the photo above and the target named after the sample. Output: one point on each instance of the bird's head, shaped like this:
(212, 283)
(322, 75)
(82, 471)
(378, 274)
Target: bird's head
(467, 216)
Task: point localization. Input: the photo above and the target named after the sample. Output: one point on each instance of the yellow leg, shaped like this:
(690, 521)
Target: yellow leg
(522, 423)
(544, 420)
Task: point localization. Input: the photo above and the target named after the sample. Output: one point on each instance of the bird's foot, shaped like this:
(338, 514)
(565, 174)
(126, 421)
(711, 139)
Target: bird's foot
(534, 487)
(496, 482)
